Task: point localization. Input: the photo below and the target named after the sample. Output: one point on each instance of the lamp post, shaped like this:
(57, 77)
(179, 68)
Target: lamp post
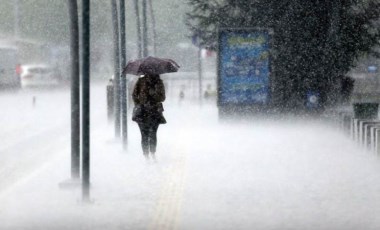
(75, 89)
(86, 100)
(16, 27)
(138, 28)
(145, 28)
(123, 78)
(116, 45)
(153, 27)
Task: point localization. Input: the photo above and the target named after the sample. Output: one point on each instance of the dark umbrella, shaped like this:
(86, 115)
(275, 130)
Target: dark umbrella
(151, 65)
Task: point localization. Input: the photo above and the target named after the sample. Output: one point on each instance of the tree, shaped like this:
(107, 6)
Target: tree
(314, 42)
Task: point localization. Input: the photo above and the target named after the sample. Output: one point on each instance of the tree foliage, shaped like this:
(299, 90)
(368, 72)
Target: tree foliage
(314, 42)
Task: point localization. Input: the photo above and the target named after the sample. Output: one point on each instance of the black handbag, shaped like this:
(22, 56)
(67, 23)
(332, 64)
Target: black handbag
(160, 110)
(137, 113)
(161, 119)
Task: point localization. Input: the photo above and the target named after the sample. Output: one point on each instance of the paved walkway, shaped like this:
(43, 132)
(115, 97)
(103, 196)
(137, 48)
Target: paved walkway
(258, 174)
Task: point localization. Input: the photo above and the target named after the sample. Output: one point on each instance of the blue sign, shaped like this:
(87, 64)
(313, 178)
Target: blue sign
(244, 67)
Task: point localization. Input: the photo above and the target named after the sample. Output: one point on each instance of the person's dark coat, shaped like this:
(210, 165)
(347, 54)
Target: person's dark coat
(149, 93)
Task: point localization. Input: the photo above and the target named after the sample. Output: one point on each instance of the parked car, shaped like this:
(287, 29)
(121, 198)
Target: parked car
(39, 75)
(9, 67)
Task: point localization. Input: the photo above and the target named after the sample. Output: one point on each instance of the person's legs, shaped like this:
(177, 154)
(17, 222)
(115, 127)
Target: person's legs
(144, 129)
(153, 137)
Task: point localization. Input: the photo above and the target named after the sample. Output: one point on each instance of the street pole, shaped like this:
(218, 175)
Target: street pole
(154, 27)
(116, 45)
(123, 78)
(334, 37)
(75, 89)
(86, 100)
(138, 28)
(145, 29)
(200, 73)
(16, 19)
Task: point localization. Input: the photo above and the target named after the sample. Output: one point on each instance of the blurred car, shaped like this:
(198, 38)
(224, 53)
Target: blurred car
(9, 67)
(39, 75)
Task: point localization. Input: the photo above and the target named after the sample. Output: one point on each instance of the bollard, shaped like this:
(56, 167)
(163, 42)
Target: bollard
(372, 138)
(34, 101)
(360, 132)
(367, 134)
(110, 101)
(373, 131)
(377, 140)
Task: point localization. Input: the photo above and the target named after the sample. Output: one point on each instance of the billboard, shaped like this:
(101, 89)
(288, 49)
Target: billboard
(244, 66)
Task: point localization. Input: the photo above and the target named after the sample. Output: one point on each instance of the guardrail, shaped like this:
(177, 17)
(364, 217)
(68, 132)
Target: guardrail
(365, 132)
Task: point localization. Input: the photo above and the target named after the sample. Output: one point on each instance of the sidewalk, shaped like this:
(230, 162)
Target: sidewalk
(260, 174)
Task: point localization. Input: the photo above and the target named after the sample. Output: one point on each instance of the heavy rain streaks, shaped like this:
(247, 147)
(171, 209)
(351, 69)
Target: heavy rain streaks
(271, 113)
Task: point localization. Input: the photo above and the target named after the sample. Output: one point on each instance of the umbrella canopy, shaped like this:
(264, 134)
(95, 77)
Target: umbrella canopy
(151, 65)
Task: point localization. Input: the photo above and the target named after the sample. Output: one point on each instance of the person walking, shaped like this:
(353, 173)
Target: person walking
(148, 95)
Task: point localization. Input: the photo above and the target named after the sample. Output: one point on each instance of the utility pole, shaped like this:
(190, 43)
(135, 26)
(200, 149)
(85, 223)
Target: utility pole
(145, 28)
(86, 100)
(138, 28)
(123, 78)
(116, 45)
(75, 89)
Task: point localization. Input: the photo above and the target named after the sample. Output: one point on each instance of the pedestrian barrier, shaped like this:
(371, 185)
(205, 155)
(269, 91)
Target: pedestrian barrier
(376, 149)
(374, 135)
(354, 131)
(365, 131)
(366, 140)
